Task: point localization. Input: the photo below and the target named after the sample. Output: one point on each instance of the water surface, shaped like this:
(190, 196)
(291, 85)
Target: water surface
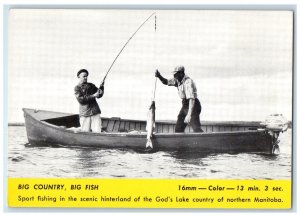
(50, 162)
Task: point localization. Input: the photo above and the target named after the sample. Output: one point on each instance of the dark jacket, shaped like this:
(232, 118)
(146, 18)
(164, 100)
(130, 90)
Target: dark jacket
(88, 105)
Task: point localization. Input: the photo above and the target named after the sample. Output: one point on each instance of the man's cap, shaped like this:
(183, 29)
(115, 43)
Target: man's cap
(178, 69)
(81, 71)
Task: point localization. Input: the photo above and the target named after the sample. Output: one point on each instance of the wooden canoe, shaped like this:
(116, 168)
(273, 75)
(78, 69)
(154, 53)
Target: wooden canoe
(55, 128)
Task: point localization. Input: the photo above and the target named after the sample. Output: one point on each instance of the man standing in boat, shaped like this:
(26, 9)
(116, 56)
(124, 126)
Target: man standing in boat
(89, 111)
(191, 107)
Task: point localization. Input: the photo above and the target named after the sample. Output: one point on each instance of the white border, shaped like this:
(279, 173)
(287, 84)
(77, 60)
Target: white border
(155, 3)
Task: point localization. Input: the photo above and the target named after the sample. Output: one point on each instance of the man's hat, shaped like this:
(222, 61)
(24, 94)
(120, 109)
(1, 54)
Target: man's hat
(178, 69)
(81, 71)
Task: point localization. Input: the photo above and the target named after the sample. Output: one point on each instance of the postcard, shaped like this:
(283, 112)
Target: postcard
(150, 108)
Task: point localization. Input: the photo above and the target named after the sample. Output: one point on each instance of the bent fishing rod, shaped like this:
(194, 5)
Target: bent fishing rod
(102, 83)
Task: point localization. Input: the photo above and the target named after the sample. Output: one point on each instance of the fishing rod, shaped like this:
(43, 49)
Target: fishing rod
(124, 47)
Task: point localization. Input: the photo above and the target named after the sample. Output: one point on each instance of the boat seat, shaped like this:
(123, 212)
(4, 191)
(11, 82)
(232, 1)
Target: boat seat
(116, 126)
(113, 125)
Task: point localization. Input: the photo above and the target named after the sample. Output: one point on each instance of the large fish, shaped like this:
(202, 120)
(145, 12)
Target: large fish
(150, 125)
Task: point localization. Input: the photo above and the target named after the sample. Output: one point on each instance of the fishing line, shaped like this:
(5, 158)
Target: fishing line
(125, 46)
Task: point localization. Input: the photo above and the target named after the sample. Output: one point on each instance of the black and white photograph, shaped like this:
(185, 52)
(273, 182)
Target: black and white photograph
(144, 93)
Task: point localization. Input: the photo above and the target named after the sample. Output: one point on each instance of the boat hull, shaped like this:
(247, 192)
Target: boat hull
(40, 132)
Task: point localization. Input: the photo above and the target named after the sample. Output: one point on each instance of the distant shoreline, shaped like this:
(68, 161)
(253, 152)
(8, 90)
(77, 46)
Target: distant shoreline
(16, 124)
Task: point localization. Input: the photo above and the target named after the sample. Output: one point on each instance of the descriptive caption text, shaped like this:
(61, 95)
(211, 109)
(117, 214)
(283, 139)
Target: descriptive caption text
(127, 193)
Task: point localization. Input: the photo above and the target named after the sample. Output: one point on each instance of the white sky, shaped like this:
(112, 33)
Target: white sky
(241, 61)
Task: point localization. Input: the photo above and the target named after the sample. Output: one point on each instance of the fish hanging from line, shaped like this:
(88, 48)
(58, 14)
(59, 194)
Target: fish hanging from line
(150, 125)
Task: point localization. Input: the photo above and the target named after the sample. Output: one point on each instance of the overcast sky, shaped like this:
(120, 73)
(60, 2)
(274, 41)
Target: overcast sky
(241, 61)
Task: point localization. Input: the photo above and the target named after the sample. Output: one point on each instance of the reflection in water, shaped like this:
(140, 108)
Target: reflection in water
(27, 161)
(85, 162)
(189, 155)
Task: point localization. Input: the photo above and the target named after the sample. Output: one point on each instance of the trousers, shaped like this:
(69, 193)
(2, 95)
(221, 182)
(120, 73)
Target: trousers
(195, 117)
(91, 123)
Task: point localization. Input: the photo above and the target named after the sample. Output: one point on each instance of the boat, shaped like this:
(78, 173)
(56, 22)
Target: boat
(63, 129)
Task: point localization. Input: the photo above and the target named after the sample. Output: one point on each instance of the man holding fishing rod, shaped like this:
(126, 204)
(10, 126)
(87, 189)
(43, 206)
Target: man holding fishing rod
(89, 111)
(86, 94)
(191, 107)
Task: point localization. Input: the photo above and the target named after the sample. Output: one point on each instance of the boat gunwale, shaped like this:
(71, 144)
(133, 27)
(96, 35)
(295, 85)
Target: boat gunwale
(215, 123)
(143, 134)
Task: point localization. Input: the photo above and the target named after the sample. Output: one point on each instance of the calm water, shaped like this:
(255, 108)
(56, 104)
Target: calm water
(24, 161)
